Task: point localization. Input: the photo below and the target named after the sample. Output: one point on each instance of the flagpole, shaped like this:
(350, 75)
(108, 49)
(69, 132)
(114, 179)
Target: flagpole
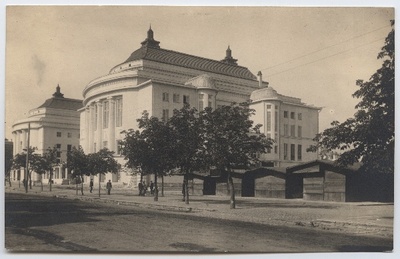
(27, 159)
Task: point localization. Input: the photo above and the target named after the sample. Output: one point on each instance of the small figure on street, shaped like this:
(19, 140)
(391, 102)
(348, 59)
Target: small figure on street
(144, 188)
(140, 189)
(24, 183)
(183, 190)
(151, 187)
(91, 185)
(109, 186)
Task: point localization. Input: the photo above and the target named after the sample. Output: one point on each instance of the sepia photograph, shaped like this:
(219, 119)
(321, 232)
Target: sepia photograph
(211, 130)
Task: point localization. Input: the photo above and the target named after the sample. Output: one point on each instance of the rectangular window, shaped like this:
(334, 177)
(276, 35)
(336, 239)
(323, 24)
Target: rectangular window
(292, 115)
(118, 112)
(201, 105)
(58, 134)
(269, 106)
(292, 130)
(119, 147)
(276, 149)
(299, 132)
(186, 99)
(106, 112)
(165, 115)
(299, 116)
(58, 153)
(276, 121)
(299, 155)
(176, 98)
(268, 120)
(285, 151)
(58, 146)
(69, 135)
(285, 114)
(292, 152)
(165, 97)
(285, 130)
(69, 147)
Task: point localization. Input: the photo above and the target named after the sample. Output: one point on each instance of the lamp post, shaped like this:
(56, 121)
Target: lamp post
(26, 173)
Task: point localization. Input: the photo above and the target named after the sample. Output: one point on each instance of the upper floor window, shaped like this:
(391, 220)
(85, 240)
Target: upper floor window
(201, 105)
(292, 115)
(165, 115)
(186, 99)
(299, 116)
(299, 152)
(268, 120)
(118, 112)
(119, 147)
(106, 113)
(69, 135)
(165, 97)
(292, 152)
(69, 147)
(292, 130)
(285, 151)
(285, 114)
(299, 131)
(58, 134)
(176, 98)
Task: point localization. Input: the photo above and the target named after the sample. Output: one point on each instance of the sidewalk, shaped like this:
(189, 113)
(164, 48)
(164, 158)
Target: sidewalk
(363, 218)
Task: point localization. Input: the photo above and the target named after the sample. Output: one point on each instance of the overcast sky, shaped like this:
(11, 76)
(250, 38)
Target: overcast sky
(315, 54)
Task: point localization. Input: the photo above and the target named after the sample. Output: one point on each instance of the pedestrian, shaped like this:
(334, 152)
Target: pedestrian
(109, 186)
(151, 187)
(140, 189)
(24, 183)
(91, 185)
(144, 188)
(183, 190)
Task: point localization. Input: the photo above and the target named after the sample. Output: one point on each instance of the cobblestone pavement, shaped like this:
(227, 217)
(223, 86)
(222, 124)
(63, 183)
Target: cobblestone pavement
(362, 218)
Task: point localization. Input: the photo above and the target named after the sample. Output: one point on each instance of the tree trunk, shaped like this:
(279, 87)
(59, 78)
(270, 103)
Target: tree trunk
(51, 178)
(99, 183)
(232, 191)
(9, 178)
(82, 184)
(41, 183)
(186, 188)
(162, 186)
(30, 180)
(156, 187)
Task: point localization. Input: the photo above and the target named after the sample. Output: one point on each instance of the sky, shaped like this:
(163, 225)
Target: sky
(315, 54)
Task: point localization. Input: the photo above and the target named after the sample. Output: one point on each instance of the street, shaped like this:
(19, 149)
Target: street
(36, 223)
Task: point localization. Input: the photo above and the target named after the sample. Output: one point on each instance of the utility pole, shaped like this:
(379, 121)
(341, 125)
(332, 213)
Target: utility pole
(27, 159)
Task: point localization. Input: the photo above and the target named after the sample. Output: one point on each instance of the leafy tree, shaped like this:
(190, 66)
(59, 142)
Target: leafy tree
(186, 126)
(368, 136)
(79, 163)
(103, 162)
(46, 163)
(228, 141)
(150, 148)
(20, 161)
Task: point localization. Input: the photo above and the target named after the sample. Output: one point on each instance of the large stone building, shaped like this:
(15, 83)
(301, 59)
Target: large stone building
(55, 123)
(158, 81)
(289, 122)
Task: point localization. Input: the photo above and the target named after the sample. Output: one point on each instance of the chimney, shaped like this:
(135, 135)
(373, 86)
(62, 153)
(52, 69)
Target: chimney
(259, 77)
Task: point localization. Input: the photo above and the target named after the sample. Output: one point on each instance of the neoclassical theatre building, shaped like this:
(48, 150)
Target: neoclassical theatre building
(159, 80)
(55, 123)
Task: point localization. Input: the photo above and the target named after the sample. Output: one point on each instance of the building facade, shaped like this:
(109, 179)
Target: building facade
(55, 123)
(158, 81)
(289, 122)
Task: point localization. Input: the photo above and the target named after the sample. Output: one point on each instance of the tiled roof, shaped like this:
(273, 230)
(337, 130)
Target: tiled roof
(62, 103)
(190, 61)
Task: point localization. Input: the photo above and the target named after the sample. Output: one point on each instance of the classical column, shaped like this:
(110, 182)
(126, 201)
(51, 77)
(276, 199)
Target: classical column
(99, 125)
(24, 141)
(91, 128)
(87, 129)
(111, 124)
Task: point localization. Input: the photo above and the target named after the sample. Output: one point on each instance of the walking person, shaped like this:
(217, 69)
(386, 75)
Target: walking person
(151, 187)
(109, 186)
(140, 189)
(91, 185)
(183, 190)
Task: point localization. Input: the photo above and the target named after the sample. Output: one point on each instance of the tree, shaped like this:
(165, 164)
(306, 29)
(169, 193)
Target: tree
(368, 137)
(150, 148)
(230, 141)
(103, 162)
(186, 126)
(50, 158)
(79, 163)
(19, 161)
